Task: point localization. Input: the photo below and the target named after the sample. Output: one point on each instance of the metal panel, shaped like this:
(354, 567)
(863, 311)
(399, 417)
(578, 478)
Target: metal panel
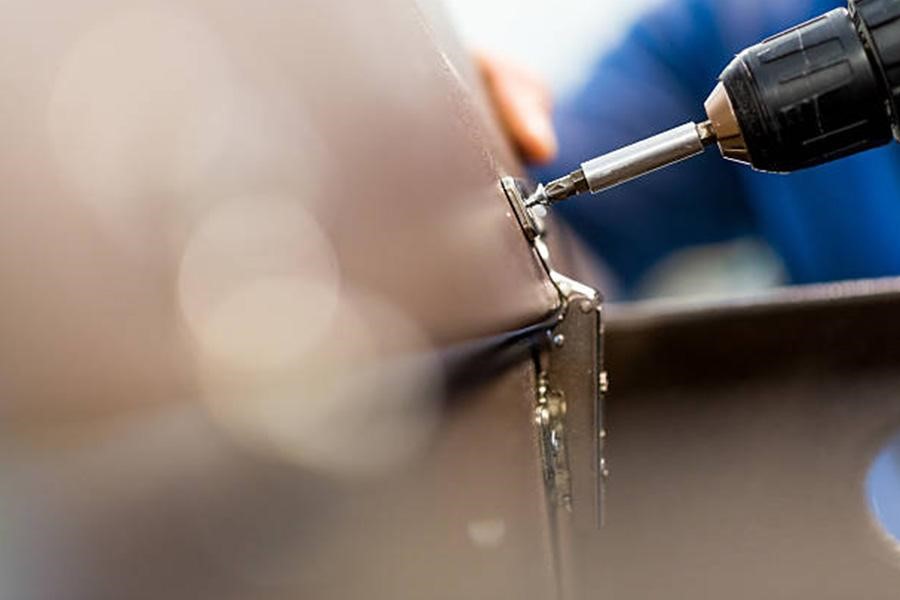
(740, 439)
(243, 247)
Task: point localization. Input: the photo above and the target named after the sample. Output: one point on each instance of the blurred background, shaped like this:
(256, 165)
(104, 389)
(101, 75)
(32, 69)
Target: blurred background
(558, 40)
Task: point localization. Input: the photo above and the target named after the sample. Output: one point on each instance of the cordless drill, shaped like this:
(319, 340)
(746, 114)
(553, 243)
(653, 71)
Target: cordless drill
(824, 90)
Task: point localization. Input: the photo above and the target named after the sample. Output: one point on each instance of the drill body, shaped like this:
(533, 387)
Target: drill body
(823, 90)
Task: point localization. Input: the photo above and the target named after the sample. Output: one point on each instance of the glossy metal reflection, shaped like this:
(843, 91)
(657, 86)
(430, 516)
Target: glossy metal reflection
(628, 163)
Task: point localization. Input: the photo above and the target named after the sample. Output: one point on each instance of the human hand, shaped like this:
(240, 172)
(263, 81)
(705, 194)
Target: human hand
(523, 104)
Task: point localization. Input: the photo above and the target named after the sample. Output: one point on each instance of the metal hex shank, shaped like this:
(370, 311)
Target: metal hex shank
(643, 157)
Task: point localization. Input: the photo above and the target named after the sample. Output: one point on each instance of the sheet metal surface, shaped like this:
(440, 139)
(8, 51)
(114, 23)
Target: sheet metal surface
(237, 239)
(129, 124)
(741, 435)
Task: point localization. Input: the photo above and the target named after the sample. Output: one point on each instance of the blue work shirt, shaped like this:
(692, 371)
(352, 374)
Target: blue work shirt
(837, 221)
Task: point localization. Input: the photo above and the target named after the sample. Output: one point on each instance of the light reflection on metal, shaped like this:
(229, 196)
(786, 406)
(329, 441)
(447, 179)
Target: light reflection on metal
(883, 491)
(726, 127)
(644, 157)
(550, 417)
(628, 163)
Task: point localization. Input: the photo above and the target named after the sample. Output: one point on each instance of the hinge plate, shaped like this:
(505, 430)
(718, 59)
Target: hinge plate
(571, 380)
(571, 384)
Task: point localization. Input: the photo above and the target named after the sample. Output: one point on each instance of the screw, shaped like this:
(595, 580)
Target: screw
(559, 340)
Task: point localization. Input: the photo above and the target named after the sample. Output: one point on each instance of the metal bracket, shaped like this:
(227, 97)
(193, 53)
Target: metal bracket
(531, 220)
(570, 386)
(571, 383)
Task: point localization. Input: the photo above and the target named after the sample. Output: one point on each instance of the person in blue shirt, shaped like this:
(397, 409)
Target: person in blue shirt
(838, 221)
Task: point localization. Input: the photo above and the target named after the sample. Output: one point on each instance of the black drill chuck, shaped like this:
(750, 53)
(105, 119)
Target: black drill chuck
(823, 90)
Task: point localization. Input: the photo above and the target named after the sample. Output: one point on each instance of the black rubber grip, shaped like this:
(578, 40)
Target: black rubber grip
(878, 21)
(808, 96)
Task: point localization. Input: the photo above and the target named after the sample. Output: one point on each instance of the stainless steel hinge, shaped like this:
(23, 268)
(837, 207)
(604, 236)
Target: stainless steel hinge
(570, 387)
(571, 384)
